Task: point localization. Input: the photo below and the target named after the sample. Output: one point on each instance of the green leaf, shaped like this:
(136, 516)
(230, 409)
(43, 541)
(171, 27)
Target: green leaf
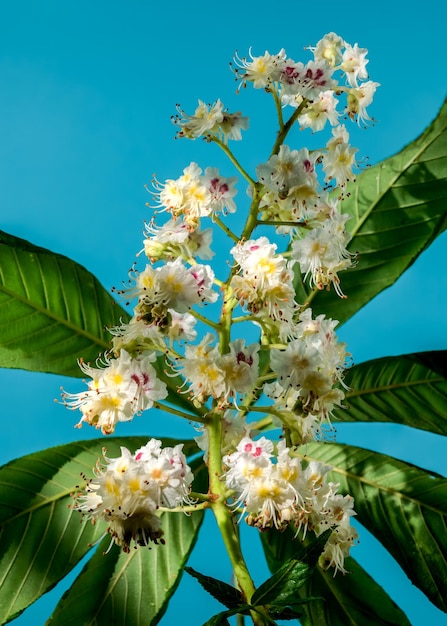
(404, 506)
(52, 310)
(397, 208)
(41, 539)
(281, 588)
(354, 599)
(329, 600)
(226, 594)
(218, 620)
(409, 389)
(121, 589)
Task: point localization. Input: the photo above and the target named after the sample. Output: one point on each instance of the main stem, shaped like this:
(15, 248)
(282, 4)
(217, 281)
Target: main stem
(224, 517)
(218, 490)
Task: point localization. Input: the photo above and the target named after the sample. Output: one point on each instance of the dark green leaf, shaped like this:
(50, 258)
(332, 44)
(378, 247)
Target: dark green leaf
(354, 599)
(41, 539)
(218, 620)
(280, 588)
(409, 389)
(226, 594)
(329, 600)
(404, 506)
(397, 207)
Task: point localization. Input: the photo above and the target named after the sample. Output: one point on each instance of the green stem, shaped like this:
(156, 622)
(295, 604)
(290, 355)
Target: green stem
(233, 159)
(204, 319)
(223, 515)
(287, 126)
(188, 416)
(225, 228)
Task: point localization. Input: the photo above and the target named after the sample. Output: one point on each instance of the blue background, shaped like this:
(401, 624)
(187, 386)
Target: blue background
(86, 94)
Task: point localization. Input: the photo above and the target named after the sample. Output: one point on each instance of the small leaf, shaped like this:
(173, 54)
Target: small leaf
(281, 588)
(218, 620)
(226, 594)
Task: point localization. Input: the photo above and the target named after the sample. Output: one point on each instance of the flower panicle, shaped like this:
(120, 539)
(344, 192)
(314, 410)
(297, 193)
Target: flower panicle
(289, 357)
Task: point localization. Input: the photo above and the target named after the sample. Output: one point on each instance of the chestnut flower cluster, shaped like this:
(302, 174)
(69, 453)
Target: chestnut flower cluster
(285, 367)
(128, 491)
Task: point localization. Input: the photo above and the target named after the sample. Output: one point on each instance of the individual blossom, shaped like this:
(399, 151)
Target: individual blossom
(338, 547)
(320, 111)
(122, 388)
(359, 98)
(195, 195)
(354, 64)
(262, 71)
(201, 370)
(175, 239)
(221, 189)
(171, 286)
(301, 81)
(211, 120)
(231, 126)
(329, 49)
(321, 257)
(205, 119)
(127, 492)
(240, 367)
(339, 158)
(265, 284)
(288, 169)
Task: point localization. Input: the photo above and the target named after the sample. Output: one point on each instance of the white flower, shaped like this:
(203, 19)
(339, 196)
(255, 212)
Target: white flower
(204, 120)
(128, 490)
(122, 388)
(172, 286)
(175, 239)
(354, 64)
(359, 98)
(262, 71)
(221, 190)
(240, 367)
(320, 111)
(288, 169)
(201, 370)
(329, 49)
(306, 81)
(339, 159)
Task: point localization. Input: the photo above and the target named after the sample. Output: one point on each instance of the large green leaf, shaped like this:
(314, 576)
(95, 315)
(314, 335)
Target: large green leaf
(119, 588)
(397, 208)
(409, 389)
(52, 310)
(354, 599)
(404, 506)
(41, 539)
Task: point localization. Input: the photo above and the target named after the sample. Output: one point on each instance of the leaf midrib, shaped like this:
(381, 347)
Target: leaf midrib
(381, 388)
